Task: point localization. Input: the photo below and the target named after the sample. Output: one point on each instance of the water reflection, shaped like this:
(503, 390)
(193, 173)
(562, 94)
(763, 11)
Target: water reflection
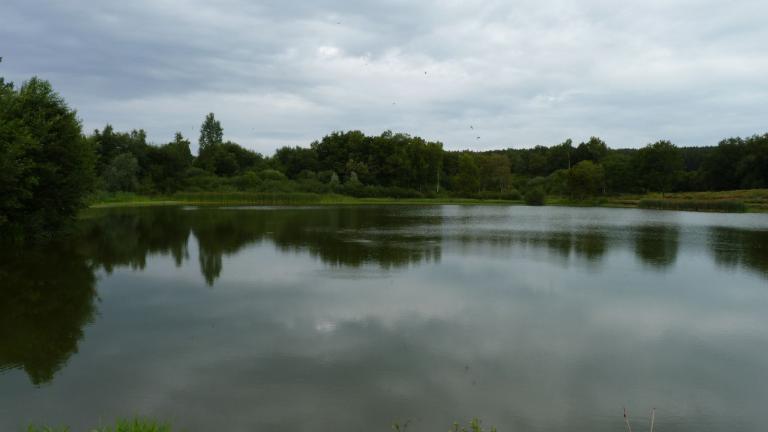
(657, 245)
(733, 247)
(352, 237)
(47, 297)
(126, 237)
(387, 238)
(503, 314)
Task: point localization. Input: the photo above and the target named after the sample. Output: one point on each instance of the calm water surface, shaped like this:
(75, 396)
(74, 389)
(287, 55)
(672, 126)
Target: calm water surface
(347, 319)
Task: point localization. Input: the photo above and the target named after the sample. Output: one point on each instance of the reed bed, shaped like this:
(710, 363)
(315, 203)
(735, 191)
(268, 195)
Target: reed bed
(260, 198)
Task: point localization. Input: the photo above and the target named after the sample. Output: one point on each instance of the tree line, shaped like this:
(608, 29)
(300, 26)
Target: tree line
(49, 168)
(396, 164)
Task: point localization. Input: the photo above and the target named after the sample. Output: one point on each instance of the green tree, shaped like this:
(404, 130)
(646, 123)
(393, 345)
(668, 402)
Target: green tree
(170, 164)
(585, 179)
(560, 156)
(121, 173)
(468, 178)
(293, 160)
(659, 165)
(211, 133)
(620, 174)
(47, 166)
(495, 172)
(594, 150)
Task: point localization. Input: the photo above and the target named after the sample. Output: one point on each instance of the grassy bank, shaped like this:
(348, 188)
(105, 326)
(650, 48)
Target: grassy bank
(260, 198)
(750, 200)
(753, 200)
(722, 206)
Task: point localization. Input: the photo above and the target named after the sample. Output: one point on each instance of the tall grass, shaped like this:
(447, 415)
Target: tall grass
(132, 425)
(136, 425)
(263, 198)
(725, 206)
(33, 428)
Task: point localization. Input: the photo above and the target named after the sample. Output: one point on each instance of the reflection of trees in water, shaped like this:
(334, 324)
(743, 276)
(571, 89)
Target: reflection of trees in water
(46, 299)
(733, 247)
(590, 244)
(349, 237)
(342, 237)
(112, 237)
(657, 245)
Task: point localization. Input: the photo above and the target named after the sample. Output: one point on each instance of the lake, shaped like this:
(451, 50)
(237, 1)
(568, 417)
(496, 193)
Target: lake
(350, 318)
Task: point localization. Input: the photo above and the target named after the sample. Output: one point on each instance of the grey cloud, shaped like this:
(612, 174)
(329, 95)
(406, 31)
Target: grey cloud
(286, 73)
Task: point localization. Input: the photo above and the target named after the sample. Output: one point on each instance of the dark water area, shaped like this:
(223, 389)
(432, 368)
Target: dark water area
(350, 318)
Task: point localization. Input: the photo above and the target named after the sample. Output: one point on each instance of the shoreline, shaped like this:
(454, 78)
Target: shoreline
(749, 201)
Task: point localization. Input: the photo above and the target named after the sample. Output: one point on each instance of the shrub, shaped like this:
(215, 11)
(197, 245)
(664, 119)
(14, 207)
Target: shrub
(511, 195)
(248, 181)
(271, 174)
(535, 196)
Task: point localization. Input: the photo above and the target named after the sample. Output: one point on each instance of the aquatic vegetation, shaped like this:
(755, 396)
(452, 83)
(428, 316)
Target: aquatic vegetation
(124, 425)
(474, 426)
(136, 425)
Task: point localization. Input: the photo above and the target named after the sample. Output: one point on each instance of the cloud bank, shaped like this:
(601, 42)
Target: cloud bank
(515, 73)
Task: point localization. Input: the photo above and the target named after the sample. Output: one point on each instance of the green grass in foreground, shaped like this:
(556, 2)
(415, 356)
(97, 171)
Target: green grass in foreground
(132, 425)
(141, 425)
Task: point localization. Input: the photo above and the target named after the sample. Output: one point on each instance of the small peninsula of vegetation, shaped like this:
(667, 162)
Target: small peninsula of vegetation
(49, 169)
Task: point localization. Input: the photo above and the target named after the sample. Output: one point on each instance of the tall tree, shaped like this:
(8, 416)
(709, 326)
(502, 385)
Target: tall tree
(47, 166)
(122, 173)
(495, 172)
(659, 164)
(211, 133)
(468, 178)
(585, 179)
(594, 150)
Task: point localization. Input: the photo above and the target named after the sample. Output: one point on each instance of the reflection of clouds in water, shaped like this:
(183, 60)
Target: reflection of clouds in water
(345, 319)
(526, 354)
(325, 326)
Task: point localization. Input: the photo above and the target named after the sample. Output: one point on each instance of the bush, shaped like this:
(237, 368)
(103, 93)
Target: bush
(270, 174)
(248, 181)
(202, 180)
(535, 196)
(510, 195)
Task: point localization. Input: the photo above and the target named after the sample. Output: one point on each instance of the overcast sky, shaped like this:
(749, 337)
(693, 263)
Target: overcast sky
(513, 73)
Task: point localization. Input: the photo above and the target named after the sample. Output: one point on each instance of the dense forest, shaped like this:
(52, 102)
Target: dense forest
(396, 164)
(49, 168)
